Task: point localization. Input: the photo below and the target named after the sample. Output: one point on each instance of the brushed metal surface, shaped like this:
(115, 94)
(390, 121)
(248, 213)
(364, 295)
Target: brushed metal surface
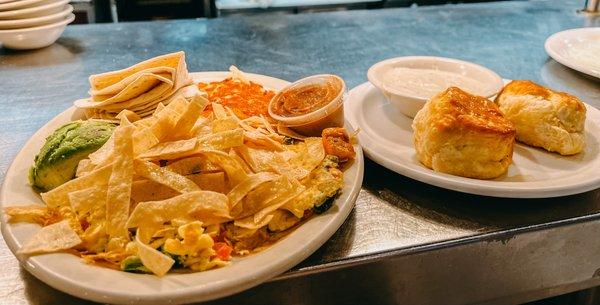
(404, 240)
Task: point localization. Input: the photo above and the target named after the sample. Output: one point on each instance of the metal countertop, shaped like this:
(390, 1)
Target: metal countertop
(405, 241)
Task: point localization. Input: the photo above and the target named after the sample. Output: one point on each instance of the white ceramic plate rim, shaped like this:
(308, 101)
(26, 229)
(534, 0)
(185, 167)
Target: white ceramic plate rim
(27, 21)
(279, 258)
(18, 4)
(34, 9)
(374, 78)
(555, 47)
(491, 188)
(63, 22)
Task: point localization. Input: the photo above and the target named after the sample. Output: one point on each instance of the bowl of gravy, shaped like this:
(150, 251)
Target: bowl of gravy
(409, 82)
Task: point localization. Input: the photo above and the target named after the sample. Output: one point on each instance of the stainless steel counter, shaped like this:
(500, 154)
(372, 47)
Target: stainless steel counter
(405, 242)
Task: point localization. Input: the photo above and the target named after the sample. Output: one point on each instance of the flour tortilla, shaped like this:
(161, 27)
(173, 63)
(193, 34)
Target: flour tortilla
(146, 87)
(174, 60)
(139, 88)
(117, 87)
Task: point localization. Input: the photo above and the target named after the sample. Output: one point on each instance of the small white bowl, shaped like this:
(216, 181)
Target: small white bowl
(410, 104)
(36, 37)
(37, 11)
(36, 21)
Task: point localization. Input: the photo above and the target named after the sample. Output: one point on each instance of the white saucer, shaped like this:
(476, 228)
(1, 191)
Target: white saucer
(559, 44)
(387, 138)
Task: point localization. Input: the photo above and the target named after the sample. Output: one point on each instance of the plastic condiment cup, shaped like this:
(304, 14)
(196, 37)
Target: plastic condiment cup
(313, 123)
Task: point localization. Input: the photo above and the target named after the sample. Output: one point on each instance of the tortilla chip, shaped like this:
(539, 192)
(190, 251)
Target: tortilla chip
(52, 238)
(143, 139)
(250, 183)
(85, 166)
(189, 117)
(119, 184)
(153, 259)
(263, 140)
(170, 150)
(34, 213)
(222, 140)
(206, 206)
(163, 176)
(210, 181)
(224, 124)
(235, 171)
(59, 196)
(85, 200)
(250, 223)
(219, 111)
(193, 165)
(103, 153)
(148, 190)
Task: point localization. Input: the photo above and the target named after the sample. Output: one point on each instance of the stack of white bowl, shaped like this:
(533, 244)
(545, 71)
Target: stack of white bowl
(32, 24)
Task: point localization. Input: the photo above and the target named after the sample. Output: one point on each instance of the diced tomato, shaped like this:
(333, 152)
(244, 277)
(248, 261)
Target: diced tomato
(223, 251)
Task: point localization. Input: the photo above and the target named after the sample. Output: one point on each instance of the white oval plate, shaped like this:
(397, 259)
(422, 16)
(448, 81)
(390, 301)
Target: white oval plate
(68, 273)
(387, 138)
(37, 11)
(559, 44)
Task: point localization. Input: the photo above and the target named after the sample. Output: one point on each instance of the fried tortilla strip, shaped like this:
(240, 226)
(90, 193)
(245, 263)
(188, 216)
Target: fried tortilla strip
(235, 171)
(85, 166)
(119, 184)
(171, 150)
(85, 200)
(143, 139)
(60, 196)
(153, 259)
(244, 187)
(210, 181)
(221, 140)
(193, 165)
(206, 206)
(52, 238)
(164, 176)
(189, 117)
(148, 190)
(100, 156)
(34, 213)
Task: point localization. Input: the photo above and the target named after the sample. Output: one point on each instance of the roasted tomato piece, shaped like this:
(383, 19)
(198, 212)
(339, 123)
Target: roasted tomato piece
(336, 142)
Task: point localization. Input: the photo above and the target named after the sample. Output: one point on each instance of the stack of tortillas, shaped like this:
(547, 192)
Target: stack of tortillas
(139, 88)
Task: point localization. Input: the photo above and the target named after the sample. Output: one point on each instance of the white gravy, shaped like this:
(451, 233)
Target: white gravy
(425, 83)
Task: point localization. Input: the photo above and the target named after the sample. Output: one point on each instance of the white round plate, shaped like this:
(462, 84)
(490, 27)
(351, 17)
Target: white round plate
(559, 44)
(36, 21)
(387, 138)
(37, 11)
(70, 274)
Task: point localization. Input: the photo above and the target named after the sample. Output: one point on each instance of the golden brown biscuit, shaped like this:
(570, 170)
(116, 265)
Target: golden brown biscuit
(543, 117)
(463, 134)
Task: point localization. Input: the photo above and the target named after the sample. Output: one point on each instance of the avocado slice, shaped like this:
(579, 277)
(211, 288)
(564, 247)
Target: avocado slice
(57, 161)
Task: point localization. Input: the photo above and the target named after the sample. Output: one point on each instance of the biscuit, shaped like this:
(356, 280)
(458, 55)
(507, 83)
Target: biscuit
(543, 117)
(463, 134)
